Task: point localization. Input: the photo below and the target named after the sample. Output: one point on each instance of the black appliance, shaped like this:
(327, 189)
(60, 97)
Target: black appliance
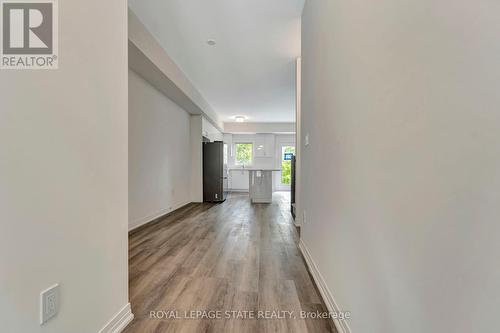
(214, 172)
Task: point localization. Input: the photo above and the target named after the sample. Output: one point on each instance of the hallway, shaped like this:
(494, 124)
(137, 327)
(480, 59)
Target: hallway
(229, 257)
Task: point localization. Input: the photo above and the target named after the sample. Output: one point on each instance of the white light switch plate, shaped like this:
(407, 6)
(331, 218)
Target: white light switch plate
(306, 141)
(49, 303)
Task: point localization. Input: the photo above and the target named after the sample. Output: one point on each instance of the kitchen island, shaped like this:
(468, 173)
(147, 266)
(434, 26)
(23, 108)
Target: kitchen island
(260, 184)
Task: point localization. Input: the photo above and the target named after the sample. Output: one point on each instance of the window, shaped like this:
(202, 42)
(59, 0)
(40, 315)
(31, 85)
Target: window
(244, 153)
(286, 164)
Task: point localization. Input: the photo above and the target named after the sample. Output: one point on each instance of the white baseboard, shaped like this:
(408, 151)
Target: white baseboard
(332, 306)
(242, 190)
(142, 221)
(118, 323)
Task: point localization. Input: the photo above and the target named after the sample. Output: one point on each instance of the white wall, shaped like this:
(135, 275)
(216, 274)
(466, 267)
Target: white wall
(400, 99)
(196, 183)
(159, 153)
(148, 58)
(63, 176)
(252, 128)
(210, 131)
(238, 180)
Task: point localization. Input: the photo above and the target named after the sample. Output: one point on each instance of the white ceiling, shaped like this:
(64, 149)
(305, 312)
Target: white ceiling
(251, 69)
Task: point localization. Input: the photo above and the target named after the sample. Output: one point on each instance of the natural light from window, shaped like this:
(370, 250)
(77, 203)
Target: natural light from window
(244, 154)
(286, 164)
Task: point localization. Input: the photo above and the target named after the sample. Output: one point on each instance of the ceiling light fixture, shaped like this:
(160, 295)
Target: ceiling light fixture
(211, 42)
(239, 119)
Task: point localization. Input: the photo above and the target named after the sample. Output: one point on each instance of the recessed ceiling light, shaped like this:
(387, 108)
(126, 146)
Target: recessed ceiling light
(211, 42)
(239, 119)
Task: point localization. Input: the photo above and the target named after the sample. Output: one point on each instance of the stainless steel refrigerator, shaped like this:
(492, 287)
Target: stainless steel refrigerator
(214, 172)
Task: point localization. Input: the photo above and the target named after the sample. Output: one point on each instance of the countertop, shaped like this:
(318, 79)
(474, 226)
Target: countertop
(252, 169)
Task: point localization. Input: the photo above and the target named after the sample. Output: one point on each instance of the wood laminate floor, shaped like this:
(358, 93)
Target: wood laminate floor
(217, 259)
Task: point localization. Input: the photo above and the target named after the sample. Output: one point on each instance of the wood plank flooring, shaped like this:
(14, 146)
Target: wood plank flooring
(233, 256)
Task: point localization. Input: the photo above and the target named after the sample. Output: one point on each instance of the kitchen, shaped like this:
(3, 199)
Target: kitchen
(259, 159)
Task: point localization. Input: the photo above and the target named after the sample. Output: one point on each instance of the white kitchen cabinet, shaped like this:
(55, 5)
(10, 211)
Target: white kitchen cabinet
(269, 145)
(260, 146)
(260, 183)
(264, 145)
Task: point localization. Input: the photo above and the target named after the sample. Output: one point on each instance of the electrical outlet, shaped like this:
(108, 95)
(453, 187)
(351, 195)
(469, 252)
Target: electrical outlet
(49, 303)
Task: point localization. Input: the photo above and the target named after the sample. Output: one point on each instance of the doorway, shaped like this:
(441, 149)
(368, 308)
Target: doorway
(285, 153)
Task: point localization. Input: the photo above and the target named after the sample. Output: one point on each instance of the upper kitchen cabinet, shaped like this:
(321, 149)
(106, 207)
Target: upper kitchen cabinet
(264, 145)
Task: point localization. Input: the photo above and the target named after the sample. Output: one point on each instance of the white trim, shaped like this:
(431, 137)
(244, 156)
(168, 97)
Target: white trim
(142, 221)
(118, 323)
(240, 190)
(332, 306)
(298, 143)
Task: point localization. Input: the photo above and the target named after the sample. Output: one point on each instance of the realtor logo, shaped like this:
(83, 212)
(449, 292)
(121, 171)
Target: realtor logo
(29, 34)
